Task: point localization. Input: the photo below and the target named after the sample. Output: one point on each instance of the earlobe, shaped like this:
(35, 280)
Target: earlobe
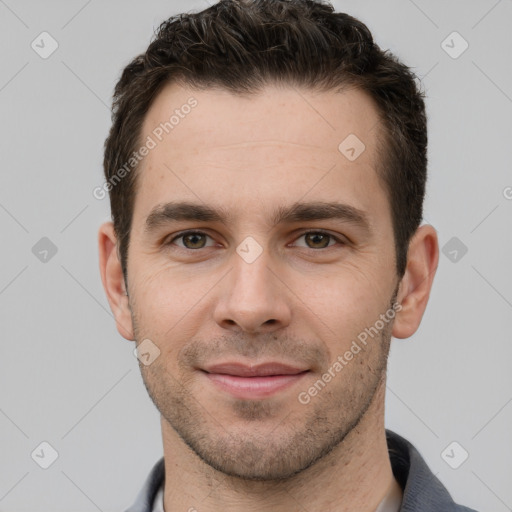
(415, 286)
(113, 280)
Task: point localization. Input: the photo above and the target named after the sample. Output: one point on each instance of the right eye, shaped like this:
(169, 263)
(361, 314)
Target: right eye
(191, 240)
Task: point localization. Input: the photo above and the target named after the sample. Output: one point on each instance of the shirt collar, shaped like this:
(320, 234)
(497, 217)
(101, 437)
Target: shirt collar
(422, 490)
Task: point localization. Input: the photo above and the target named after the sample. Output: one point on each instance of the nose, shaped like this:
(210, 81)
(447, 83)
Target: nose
(253, 298)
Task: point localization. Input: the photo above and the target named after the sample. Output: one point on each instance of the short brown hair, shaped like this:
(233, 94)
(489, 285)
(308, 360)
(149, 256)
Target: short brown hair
(244, 45)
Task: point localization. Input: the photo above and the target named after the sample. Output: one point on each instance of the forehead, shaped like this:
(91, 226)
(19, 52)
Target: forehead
(321, 119)
(213, 145)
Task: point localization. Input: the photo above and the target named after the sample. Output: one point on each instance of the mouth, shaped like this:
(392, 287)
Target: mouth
(253, 381)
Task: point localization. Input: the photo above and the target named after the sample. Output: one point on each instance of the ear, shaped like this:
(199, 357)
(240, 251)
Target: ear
(415, 286)
(113, 280)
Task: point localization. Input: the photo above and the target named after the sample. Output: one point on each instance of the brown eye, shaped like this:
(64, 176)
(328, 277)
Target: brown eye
(194, 241)
(190, 240)
(317, 240)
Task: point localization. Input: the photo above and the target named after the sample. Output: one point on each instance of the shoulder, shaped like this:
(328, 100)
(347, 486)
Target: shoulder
(422, 490)
(146, 496)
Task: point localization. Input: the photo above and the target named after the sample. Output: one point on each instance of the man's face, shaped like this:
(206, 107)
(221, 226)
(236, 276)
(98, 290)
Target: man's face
(254, 307)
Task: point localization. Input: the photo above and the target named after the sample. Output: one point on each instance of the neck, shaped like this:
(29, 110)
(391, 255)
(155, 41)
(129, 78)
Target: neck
(356, 475)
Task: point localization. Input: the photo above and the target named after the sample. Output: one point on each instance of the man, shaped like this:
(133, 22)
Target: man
(266, 169)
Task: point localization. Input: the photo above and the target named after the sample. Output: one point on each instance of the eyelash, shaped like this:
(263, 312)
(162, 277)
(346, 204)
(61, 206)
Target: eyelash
(311, 231)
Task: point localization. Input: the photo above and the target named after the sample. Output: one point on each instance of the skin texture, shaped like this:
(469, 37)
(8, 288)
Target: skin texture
(303, 301)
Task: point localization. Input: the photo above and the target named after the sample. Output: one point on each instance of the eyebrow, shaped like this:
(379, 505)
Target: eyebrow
(166, 213)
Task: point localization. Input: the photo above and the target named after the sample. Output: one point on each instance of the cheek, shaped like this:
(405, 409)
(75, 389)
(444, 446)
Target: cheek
(342, 293)
(163, 296)
(339, 307)
(162, 312)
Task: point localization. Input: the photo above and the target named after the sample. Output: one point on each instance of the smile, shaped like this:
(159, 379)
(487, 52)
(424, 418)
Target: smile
(253, 382)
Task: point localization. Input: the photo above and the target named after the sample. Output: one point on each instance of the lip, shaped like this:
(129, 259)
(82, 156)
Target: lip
(253, 381)
(258, 370)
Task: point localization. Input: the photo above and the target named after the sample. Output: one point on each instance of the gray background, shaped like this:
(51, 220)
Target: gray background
(68, 377)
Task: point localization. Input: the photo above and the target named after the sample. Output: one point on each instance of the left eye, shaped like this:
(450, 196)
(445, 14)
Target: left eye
(318, 240)
(194, 240)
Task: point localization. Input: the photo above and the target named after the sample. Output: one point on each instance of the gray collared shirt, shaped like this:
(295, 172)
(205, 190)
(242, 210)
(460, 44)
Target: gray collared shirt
(422, 490)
